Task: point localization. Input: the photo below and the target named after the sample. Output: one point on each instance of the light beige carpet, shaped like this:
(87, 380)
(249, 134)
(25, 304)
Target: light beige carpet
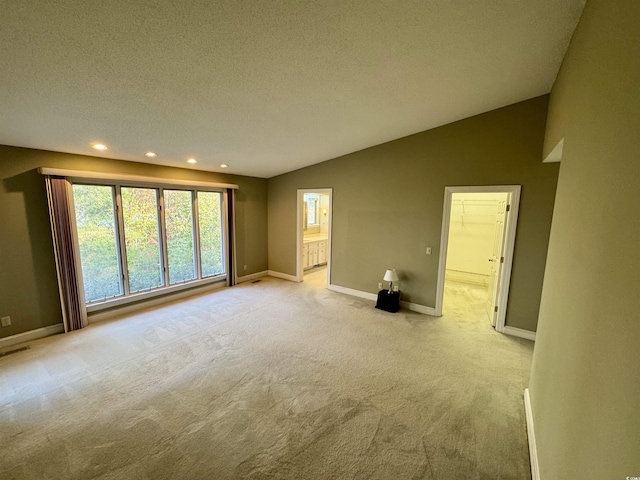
(272, 380)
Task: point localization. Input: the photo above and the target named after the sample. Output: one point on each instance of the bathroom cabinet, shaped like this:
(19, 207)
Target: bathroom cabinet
(314, 251)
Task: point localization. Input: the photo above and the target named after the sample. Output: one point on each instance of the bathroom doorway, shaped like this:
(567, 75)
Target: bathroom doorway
(478, 236)
(314, 236)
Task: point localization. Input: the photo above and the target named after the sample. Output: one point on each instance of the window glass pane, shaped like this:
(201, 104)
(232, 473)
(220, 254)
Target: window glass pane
(211, 245)
(98, 242)
(140, 214)
(178, 211)
(312, 202)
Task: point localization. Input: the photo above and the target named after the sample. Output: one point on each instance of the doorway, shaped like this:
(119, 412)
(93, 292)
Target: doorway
(315, 212)
(478, 237)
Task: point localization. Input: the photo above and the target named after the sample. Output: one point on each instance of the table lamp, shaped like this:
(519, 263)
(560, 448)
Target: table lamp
(390, 276)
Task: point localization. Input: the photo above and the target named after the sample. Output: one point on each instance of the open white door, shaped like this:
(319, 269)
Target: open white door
(502, 258)
(497, 263)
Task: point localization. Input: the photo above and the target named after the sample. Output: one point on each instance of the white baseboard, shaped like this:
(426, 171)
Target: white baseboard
(116, 312)
(352, 292)
(31, 335)
(414, 307)
(533, 451)
(284, 276)
(252, 276)
(519, 332)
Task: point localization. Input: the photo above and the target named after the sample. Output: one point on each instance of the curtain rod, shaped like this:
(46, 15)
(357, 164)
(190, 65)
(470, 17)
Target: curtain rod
(80, 174)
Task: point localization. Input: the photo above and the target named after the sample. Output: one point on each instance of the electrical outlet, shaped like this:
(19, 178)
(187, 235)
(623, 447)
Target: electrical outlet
(379, 285)
(428, 250)
(6, 321)
(245, 267)
(395, 288)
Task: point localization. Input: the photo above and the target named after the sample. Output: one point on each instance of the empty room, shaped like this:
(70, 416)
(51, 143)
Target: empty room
(320, 240)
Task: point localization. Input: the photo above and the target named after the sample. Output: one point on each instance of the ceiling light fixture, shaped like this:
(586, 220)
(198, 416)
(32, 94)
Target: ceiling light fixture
(150, 154)
(224, 165)
(192, 160)
(99, 146)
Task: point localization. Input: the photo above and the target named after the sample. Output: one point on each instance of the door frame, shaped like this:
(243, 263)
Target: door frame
(508, 247)
(300, 234)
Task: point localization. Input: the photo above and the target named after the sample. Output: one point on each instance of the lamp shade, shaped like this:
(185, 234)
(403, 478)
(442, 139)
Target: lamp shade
(390, 275)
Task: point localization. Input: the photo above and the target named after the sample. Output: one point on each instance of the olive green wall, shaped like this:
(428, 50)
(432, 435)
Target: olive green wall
(585, 381)
(558, 116)
(388, 199)
(28, 285)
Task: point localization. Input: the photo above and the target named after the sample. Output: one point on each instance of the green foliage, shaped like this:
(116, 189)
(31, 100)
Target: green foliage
(211, 248)
(98, 243)
(180, 245)
(140, 213)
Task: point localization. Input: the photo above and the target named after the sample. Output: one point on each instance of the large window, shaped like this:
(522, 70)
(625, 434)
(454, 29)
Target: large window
(135, 239)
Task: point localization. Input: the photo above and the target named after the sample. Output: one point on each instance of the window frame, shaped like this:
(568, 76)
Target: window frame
(225, 234)
(127, 297)
(194, 232)
(123, 241)
(76, 243)
(316, 208)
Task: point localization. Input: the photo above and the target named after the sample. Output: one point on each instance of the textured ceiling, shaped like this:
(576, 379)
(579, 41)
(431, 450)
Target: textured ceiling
(265, 86)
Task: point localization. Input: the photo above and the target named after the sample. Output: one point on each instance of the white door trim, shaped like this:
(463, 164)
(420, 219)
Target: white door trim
(300, 235)
(509, 243)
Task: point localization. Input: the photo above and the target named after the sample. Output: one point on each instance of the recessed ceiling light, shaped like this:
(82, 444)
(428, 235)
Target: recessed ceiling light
(192, 160)
(224, 165)
(99, 146)
(150, 154)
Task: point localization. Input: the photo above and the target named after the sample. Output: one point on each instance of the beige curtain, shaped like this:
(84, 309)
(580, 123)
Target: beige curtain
(74, 313)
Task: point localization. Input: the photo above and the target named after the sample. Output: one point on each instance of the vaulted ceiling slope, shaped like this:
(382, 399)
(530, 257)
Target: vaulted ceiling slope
(265, 86)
